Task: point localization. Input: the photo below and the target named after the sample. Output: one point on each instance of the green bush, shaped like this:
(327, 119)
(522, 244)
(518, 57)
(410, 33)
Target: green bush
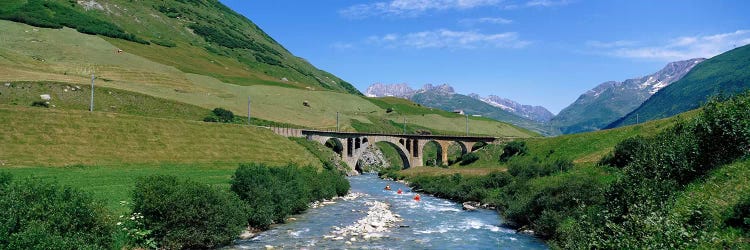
(273, 193)
(724, 129)
(625, 152)
(223, 115)
(37, 214)
(220, 115)
(468, 159)
(527, 168)
(544, 203)
(184, 214)
(513, 148)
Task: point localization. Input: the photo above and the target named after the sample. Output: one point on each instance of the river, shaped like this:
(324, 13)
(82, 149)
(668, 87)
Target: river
(432, 223)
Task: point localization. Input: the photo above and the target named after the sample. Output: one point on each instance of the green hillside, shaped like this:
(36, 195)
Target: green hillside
(189, 34)
(473, 106)
(725, 74)
(67, 56)
(590, 113)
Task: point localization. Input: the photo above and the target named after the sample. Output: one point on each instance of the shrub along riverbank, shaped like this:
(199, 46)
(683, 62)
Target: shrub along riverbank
(654, 191)
(167, 211)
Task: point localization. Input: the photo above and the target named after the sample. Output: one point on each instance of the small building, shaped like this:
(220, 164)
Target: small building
(458, 111)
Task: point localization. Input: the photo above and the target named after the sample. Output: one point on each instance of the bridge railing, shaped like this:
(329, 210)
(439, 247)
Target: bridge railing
(299, 132)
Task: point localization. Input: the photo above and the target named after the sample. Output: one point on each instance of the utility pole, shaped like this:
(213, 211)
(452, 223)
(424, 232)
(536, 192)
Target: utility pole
(637, 118)
(467, 124)
(91, 105)
(248, 110)
(337, 121)
(404, 125)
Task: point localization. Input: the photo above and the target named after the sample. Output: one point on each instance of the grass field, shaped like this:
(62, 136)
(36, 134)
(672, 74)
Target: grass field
(49, 137)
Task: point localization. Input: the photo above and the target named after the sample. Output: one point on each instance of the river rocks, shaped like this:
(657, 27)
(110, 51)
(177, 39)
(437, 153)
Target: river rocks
(379, 219)
(526, 230)
(471, 205)
(488, 206)
(372, 160)
(347, 197)
(246, 235)
(352, 196)
(249, 233)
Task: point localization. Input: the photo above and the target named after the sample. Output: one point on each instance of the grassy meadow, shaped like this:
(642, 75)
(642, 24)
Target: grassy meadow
(49, 137)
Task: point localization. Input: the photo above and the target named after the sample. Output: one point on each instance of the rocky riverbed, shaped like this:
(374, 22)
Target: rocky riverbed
(379, 219)
(373, 218)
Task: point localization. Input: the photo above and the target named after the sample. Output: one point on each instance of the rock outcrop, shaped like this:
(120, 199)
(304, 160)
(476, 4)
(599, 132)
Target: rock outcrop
(372, 160)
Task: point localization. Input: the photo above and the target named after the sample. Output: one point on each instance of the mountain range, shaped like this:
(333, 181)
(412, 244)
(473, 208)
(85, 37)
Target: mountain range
(402, 90)
(593, 110)
(722, 75)
(612, 100)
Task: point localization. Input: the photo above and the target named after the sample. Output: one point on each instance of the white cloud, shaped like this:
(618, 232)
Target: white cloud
(680, 48)
(342, 46)
(443, 38)
(485, 20)
(546, 3)
(613, 44)
(410, 7)
(413, 8)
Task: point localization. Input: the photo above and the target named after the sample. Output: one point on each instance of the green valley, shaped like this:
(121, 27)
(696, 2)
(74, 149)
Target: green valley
(208, 133)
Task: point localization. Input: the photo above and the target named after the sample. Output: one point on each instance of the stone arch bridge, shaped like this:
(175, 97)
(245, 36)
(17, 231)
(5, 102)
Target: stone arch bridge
(409, 147)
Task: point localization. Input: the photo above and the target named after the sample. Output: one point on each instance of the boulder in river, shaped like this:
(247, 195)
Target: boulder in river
(471, 205)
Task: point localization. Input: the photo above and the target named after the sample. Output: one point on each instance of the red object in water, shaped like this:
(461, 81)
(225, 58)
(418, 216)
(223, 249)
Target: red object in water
(417, 198)
(399, 191)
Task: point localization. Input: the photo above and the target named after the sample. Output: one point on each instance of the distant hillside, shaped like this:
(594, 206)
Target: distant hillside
(196, 36)
(536, 113)
(611, 100)
(727, 74)
(444, 97)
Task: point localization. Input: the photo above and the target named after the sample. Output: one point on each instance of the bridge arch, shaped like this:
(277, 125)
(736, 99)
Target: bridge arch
(334, 144)
(464, 148)
(402, 153)
(439, 151)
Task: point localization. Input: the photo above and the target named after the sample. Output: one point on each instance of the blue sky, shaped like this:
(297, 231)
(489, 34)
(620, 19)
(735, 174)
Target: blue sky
(539, 52)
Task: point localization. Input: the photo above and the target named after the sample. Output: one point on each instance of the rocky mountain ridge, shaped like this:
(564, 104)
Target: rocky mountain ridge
(611, 100)
(402, 90)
